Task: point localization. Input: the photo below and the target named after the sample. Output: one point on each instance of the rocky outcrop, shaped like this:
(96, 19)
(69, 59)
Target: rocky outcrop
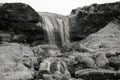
(19, 23)
(90, 19)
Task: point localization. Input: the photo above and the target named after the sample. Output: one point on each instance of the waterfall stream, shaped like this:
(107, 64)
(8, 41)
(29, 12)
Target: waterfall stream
(57, 29)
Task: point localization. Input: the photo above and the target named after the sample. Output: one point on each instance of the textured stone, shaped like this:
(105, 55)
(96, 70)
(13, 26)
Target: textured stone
(99, 74)
(16, 62)
(18, 19)
(54, 67)
(90, 19)
(18, 12)
(106, 56)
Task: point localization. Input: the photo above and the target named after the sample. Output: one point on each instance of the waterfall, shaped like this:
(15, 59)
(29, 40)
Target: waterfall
(57, 29)
(64, 30)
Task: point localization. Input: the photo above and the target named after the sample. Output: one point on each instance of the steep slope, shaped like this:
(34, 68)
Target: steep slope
(108, 37)
(106, 57)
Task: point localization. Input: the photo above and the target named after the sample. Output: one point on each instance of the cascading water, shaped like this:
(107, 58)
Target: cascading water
(64, 30)
(57, 29)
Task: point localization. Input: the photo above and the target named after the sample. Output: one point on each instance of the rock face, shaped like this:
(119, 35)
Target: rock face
(90, 19)
(106, 44)
(19, 23)
(107, 37)
(16, 62)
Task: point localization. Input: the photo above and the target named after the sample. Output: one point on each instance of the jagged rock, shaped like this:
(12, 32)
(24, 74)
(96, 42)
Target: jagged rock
(101, 60)
(41, 53)
(85, 60)
(114, 61)
(106, 54)
(78, 61)
(81, 48)
(76, 46)
(38, 51)
(100, 74)
(90, 19)
(16, 62)
(54, 68)
(45, 52)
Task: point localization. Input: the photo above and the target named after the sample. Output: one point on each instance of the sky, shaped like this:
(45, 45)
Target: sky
(58, 6)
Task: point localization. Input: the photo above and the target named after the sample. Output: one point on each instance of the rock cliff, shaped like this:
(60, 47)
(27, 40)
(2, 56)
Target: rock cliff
(90, 19)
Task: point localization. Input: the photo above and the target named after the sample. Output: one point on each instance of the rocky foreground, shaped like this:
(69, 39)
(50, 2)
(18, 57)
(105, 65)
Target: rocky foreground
(93, 54)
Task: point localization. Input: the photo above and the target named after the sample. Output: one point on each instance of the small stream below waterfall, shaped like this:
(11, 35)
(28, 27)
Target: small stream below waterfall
(56, 29)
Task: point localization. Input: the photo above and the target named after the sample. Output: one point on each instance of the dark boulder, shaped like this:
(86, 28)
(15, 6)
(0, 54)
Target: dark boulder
(19, 19)
(90, 19)
(18, 12)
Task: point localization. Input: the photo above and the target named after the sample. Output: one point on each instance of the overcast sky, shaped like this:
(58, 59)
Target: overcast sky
(58, 6)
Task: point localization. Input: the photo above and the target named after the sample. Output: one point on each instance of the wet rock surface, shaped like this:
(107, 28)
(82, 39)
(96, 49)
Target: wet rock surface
(54, 68)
